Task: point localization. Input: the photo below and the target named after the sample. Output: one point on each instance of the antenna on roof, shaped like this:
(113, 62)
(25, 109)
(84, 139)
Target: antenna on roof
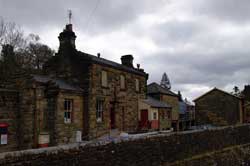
(70, 16)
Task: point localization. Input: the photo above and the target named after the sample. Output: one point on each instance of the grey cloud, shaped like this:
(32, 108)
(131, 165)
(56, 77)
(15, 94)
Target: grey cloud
(213, 58)
(109, 15)
(227, 10)
(218, 69)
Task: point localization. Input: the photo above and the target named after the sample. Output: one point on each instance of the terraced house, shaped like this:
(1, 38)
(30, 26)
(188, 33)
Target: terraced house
(79, 96)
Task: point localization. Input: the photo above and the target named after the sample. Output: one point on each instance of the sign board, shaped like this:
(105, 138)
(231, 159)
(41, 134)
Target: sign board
(78, 136)
(4, 139)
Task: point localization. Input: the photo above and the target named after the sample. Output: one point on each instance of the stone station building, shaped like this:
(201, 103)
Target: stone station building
(78, 97)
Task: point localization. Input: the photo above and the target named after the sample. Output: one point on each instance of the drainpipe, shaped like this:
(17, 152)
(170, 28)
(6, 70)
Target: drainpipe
(35, 141)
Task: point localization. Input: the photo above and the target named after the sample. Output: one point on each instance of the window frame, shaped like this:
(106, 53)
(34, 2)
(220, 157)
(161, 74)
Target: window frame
(154, 116)
(68, 110)
(99, 110)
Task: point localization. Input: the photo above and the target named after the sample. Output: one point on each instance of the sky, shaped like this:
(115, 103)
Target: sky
(200, 44)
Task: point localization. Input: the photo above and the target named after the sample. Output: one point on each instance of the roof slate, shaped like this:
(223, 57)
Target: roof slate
(116, 65)
(156, 103)
(156, 88)
(59, 82)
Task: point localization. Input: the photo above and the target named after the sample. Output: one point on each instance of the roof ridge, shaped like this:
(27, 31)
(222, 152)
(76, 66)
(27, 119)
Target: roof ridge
(215, 88)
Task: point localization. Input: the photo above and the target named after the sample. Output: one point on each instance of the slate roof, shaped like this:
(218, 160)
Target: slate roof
(103, 61)
(156, 103)
(216, 89)
(58, 82)
(154, 88)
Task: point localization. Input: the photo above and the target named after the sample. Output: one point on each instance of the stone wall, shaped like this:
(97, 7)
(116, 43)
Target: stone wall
(232, 156)
(124, 102)
(9, 111)
(150, 151)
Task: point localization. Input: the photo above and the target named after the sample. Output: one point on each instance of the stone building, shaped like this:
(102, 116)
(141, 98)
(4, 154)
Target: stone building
(160, 93)
(218, 108)
(32, 114)
(79, 96)
(246, 102)
(111, 90)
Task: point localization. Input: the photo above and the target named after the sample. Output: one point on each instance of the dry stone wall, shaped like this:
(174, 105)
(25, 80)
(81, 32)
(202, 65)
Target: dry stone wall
(154, 150)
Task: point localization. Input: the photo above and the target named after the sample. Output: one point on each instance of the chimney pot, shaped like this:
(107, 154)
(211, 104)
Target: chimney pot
(69, 27)
(98, 55)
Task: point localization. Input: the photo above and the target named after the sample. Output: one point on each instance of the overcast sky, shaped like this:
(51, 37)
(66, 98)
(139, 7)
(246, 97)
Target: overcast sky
(200, 44)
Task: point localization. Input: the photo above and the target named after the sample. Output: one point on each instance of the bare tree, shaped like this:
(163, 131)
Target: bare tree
(19, 52)
(12, 34)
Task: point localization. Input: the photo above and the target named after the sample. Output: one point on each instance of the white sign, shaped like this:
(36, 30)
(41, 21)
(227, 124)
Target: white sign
(4, 139)
(78, 136)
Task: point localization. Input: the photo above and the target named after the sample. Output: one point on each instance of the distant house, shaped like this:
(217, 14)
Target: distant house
(154, 114)
(186, 114)
(217, 107)
(160, 93)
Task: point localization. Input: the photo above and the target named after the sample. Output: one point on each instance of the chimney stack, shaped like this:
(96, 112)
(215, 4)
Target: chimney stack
(67, 37)
(98, 55)
(127, 60)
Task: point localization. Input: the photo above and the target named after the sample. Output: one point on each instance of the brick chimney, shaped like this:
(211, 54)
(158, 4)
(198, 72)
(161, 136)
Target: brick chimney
(127, 60)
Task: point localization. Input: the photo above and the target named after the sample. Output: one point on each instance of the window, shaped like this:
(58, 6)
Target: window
(155, 115)
(122, 79)
(104, 79)
(137, 86)
(99, 110)
(68, 105)
(167, 115)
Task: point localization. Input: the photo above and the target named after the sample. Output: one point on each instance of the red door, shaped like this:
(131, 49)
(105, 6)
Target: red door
(144, 118)
(112, 118)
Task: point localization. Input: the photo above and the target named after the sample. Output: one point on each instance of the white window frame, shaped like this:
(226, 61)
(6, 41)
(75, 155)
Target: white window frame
(99, 110)
(68, 109)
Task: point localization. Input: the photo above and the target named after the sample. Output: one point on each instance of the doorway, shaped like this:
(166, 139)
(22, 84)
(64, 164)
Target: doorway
(144, 118)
